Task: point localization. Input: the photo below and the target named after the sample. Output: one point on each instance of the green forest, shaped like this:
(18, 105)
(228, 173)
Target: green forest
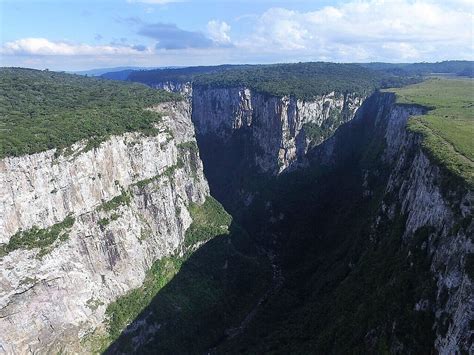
(447, 67)
(41, 110)
(302, 80)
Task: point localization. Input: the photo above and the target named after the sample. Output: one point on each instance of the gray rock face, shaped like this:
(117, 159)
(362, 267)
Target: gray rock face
(416, 183)
(185, 89)
(279, 127)
(51, 302)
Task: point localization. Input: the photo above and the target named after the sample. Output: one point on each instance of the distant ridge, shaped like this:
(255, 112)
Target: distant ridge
(101, 71)
(188, 73)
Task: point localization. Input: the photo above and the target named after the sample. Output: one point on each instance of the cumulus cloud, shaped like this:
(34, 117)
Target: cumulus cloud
(351, 31)
(367, 30)
(219, 31)
(45, 47)
(170, 36)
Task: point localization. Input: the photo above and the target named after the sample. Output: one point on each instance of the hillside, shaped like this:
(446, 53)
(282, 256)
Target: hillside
(181, 75)
(302, 80)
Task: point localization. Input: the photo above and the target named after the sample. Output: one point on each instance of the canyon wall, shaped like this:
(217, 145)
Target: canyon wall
(285, 133)
(107, 215)
(281, 129)
(436, 209)
(445, 215)
(184, 88)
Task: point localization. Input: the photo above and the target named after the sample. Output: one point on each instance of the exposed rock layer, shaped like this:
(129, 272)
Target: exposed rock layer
(417, 184)
(50, 302)
(278, 127)
(419, 190)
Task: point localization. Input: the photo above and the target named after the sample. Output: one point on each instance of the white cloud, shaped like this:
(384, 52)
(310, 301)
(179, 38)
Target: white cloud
(389, 30)
(218, 31)
(357, 30)
(43, 46)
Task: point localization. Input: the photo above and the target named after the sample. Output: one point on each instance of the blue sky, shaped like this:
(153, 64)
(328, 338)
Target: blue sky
(75, 35)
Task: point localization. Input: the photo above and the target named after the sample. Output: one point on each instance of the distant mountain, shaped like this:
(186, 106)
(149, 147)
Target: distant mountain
(117, 75)
(163, 74)
(101, 71)
(151, 76)
(454, 67)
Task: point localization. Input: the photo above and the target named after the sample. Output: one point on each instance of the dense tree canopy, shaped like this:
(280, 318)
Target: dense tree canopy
(455, 67)
(303, 80)
(41, 110)
(180, 75)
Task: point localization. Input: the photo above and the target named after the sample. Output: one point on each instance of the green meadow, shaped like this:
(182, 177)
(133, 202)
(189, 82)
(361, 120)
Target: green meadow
(448, 126)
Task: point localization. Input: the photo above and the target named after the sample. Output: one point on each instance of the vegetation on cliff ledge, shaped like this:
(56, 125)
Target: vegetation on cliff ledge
(189, 299)
(38, 237)
(209, 220)
(41, 110)
(448, 126)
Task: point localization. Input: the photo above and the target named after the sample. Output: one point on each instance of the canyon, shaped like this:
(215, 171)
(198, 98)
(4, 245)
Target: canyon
(334, 202)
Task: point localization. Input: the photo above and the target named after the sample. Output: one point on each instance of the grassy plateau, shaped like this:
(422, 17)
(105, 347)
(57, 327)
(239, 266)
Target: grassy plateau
(448, 126)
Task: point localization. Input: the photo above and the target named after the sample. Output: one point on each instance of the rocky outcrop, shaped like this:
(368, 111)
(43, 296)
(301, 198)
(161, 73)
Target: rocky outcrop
(184, 88)
(281, 129)
(128, 202)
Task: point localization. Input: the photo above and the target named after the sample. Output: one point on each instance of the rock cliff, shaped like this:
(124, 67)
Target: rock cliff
(379, 257)
(281, 129)
(81, 229)
(444, 214)
(436, 213)
(184, 88)
(108, 214)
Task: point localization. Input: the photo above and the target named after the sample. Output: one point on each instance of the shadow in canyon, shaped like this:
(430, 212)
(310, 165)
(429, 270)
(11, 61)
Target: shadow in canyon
(344, 285)
(205, 302)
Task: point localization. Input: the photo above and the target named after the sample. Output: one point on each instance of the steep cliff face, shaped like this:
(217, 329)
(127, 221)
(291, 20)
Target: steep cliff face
(443, 217)
(281, 129)
(366, 247)
(184, 88)
(378, 259)
(79, 231)
(436, 215)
